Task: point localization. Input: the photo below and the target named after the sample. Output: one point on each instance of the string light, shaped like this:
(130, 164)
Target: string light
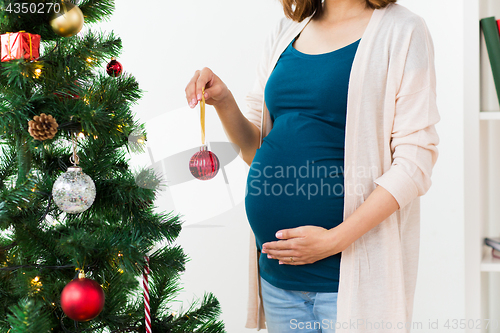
(38, 73)
(81, 135)
(36, 283)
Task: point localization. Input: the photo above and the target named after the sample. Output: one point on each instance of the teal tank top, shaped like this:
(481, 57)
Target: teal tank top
(296, 177)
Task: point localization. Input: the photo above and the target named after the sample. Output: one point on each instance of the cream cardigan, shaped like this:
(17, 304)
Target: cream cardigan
(391, 142)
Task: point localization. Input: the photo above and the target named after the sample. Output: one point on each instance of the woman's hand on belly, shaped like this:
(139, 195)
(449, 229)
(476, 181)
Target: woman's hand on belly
(309, 244)
(305, 245)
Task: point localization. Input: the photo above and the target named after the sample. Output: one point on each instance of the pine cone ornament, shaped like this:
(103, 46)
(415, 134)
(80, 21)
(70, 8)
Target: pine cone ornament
(43, 127)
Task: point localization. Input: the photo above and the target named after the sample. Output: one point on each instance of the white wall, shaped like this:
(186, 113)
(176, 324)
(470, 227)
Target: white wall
(164, 43)
(440, 285)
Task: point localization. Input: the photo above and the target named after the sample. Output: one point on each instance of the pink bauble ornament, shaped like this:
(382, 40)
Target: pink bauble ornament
(204, 164)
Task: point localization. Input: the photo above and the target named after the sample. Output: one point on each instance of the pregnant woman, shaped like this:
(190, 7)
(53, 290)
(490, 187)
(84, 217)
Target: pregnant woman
(340, 139)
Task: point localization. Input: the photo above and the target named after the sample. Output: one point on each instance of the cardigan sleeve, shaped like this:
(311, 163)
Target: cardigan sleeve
(414, 137)
(255, 98)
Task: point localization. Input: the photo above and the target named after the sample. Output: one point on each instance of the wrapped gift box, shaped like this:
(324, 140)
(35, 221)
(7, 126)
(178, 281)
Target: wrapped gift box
(19, 45)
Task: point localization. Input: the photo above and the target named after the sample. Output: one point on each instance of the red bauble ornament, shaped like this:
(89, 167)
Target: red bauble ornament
(204, 164)
(82, 299)
(114, 68)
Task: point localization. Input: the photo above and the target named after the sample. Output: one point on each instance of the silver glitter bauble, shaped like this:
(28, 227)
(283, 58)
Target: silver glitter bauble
(74, 191)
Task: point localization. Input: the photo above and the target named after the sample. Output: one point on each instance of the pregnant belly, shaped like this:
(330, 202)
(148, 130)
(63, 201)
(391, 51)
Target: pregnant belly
(286, 191)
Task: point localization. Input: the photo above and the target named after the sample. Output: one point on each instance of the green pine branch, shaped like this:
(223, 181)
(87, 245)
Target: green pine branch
(28, 317)
(96, 10)
(199, 317)
(41, 247)
(7, 164)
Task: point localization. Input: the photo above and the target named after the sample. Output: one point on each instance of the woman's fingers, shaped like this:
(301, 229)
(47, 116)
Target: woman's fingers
(191, 90)
(288, 258)
(204, 81)
(281, 254)
(215, 89)
(285, 256)
(201, 79)
(291, 261)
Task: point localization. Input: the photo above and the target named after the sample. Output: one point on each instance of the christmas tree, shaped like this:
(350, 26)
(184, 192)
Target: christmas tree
(66, 129)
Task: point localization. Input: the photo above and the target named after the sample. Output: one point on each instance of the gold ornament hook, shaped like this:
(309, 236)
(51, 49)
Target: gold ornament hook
(202, 116)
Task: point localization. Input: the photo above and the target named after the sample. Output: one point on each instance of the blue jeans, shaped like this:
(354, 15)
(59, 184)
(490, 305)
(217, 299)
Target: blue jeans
(290, 311)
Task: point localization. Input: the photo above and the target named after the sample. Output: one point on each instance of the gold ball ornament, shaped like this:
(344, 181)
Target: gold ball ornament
(68, 21)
